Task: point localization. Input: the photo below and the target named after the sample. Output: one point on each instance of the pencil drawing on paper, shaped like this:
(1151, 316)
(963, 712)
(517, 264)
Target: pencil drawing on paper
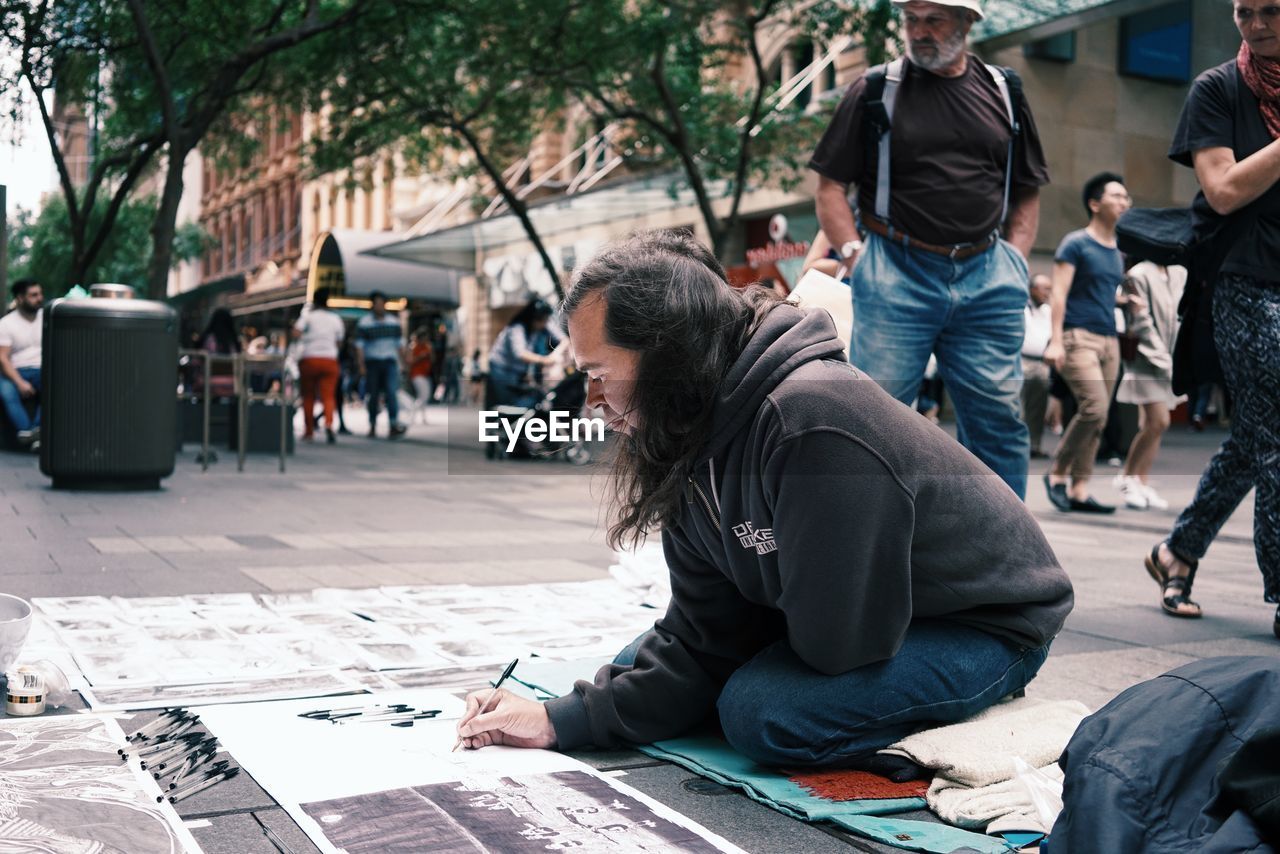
(63, 788)
(563, 811)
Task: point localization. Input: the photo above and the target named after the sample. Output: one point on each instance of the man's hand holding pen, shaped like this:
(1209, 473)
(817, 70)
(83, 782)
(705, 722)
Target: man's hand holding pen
(506, 719)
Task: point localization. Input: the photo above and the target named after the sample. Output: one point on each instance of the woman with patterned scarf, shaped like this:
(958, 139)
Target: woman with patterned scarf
(1230, 133)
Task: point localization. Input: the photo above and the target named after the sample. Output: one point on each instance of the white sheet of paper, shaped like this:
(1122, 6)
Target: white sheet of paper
(300, 760)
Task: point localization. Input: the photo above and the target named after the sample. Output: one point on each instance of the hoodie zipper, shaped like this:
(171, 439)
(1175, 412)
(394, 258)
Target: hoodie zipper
(715, 517)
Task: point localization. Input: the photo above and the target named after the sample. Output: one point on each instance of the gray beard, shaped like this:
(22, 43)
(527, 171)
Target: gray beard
(947, 53)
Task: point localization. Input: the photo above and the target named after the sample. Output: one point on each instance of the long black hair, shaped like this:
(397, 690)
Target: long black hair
(666, 297)
(533, 310)
(222, 327)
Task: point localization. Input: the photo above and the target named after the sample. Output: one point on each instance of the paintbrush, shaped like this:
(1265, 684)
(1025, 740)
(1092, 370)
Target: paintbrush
(484, 707)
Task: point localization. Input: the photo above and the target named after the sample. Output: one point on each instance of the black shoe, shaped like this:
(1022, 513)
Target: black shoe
(397, 430)
(1039, 455)
(373, 432)
(1089, 505)
(1057, 495)
(1275, 627)
(329, 436)
(343, 431)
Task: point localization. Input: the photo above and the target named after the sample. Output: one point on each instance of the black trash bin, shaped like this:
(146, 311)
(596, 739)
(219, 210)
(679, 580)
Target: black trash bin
(110, 373)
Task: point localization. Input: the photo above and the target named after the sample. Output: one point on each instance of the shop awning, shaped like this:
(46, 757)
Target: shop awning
(341, 261)
(208, 290)
(1013, 22)
(457, 246)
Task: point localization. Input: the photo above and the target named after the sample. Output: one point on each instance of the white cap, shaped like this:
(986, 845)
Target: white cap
(974, 6)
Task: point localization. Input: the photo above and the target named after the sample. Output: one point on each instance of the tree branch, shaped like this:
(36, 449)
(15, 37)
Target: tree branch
(158, 70)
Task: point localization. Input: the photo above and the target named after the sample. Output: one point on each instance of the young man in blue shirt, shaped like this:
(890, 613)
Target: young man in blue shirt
(1084, 349)
(379, 341)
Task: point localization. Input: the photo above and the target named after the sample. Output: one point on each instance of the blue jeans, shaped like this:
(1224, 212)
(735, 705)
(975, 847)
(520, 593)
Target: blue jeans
(777, 710)
(14, 406)
(908, 303)
(383, 378)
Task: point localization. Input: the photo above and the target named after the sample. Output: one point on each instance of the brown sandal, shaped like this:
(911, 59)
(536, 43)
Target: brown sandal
(1175, 597)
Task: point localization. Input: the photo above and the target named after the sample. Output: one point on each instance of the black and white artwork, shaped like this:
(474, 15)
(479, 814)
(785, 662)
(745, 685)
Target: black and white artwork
(64, 788)
(562, 811)
(133, 697)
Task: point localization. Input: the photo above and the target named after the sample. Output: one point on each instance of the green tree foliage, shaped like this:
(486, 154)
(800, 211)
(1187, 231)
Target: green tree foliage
(40, 248)
(154, 77)
(446, 84)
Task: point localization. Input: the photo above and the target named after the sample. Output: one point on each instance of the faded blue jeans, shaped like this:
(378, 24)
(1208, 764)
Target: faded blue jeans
(908, 303)
(382, 378)
(14, 406)
(777, 710)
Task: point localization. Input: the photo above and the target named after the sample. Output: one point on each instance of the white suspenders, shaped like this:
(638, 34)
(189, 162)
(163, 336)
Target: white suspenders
(892, 79)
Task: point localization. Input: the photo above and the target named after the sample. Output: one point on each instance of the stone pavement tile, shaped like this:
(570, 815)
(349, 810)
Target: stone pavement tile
(277, 579)
(1264, 644)
(1147, 625)
(468, 573)
(239, 833)
(28, 585)
(365, 575)
(213, 543)
(117, 545)
(297, 541)
(258, 541)
(737, 818)
(1070, 642)
(166, 544)
(1094, 678)
(173, 582)
(608, 760)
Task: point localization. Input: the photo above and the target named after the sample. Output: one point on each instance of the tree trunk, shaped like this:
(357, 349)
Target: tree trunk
(165, 225)
(517, 206)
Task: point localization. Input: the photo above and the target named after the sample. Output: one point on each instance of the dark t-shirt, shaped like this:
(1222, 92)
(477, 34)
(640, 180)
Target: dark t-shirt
(948, 150)
(1221, 112)
(1091, 302)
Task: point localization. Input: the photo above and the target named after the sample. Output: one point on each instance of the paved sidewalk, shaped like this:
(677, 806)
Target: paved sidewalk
(370, 512)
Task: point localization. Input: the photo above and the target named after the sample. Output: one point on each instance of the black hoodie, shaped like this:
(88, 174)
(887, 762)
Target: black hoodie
(825, 513)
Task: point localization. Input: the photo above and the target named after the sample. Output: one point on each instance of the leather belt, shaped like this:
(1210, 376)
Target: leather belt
(957, 252)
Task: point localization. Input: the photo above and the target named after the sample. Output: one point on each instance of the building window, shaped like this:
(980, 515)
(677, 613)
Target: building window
(1059, 48)
(1156, 44)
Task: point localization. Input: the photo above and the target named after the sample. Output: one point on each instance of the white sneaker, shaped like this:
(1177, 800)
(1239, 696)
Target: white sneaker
(1154, 501)
(1134, 494)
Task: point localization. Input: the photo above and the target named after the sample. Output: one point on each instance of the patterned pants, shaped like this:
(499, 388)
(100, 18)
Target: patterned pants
(1246, 318)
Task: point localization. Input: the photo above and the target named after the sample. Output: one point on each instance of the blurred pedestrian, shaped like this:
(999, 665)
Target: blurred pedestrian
(1148, 378)
(320, 332)
(1036, 380)
(378, 340)
(220, 338)
(1228, 132)
(21, 338)
(1087, 271)
(935, 274)
(475, 378)
(419, 355)
(521, 349)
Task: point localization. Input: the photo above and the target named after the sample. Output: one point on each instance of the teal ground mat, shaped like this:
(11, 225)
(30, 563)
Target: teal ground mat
(712, 757)
(922, 835)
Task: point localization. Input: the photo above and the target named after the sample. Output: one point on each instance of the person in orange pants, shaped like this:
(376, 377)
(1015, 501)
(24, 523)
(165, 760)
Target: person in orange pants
(321, 333)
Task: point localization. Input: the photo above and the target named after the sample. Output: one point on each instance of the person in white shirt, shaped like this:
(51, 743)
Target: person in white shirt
(1035, 373)
(320, 333)
(20, 339)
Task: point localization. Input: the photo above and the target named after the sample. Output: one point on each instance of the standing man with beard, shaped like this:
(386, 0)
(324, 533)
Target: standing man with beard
(947, 165)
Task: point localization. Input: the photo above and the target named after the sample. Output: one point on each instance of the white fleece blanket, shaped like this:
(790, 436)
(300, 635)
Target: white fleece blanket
(1005, 805)
(979, 751)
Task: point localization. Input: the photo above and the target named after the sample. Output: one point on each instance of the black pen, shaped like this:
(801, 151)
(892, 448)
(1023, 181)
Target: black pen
(484, 707)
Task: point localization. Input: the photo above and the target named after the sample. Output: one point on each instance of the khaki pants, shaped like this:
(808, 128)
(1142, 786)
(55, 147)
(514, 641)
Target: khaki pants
(1035, 397)
(1090, 370)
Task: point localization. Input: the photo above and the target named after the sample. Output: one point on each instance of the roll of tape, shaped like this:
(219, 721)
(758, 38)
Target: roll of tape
(25, 693)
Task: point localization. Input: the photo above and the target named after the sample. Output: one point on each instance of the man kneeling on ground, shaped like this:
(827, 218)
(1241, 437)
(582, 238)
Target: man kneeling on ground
(843, 572)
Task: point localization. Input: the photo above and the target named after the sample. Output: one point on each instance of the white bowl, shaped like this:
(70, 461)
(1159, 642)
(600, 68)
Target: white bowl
(15, 622)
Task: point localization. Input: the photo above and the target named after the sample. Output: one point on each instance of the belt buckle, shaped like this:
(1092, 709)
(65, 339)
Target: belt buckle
(955, 251)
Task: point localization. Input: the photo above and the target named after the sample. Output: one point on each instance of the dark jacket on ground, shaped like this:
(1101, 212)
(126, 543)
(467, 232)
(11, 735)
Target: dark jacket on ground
(828, 514)
(1150, 771)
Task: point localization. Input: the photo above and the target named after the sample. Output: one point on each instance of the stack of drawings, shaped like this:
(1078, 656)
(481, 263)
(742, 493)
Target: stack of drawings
(154, 652)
